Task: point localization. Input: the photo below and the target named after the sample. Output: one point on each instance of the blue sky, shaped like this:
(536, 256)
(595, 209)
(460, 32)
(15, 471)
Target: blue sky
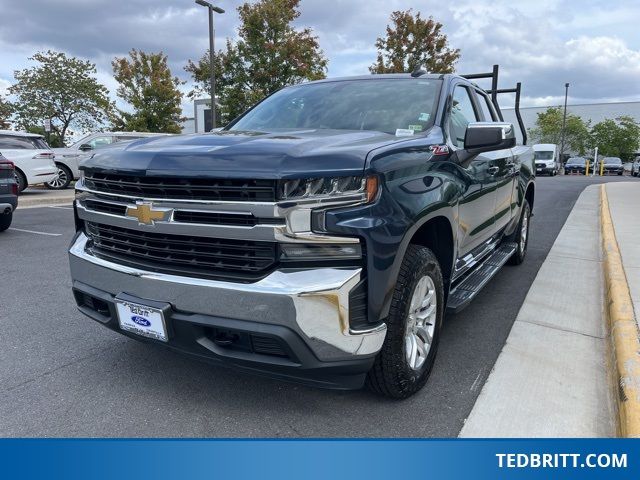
(593, 44)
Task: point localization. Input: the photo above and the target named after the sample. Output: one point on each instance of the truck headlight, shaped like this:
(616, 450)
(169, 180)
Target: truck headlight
(310, 188)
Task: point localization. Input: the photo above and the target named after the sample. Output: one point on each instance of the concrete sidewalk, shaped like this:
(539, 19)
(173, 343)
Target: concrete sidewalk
(552, 378)
(40, 196)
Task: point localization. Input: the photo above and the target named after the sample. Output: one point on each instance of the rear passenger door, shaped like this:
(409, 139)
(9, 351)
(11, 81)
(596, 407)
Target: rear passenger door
(477, 203)
(502, 167)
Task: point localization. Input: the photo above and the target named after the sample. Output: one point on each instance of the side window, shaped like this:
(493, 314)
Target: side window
(99, 142)
(462, 114)
(483, 100)
(9, 142)
(127, 138)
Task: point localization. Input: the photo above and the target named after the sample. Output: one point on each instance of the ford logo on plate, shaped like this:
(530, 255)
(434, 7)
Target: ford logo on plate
(143, 322)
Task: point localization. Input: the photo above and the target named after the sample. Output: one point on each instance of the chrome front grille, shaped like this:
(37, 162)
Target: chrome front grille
(131, 223)
(182, 255)
(180, 188)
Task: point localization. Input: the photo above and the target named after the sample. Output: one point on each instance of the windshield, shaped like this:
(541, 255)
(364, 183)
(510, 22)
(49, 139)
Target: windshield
(612, 161)
(542, 155)
(576, 161)
(82, 141)
(384, 105)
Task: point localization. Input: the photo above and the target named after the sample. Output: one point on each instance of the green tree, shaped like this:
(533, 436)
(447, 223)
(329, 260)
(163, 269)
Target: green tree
(62, 89)
(53, 139)
(619, 138)
(153, 94)
(411, 42)
(548, 129)
(269, 54)
(6, 109)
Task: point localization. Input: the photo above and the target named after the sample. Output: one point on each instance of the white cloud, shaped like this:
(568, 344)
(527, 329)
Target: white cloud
(592, 44)
(4, 85)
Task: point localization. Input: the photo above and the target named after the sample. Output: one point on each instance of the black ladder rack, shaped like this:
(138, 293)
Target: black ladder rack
(493, 75)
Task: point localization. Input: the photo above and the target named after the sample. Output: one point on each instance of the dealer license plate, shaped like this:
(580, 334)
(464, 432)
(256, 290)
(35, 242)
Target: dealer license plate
(142, 320)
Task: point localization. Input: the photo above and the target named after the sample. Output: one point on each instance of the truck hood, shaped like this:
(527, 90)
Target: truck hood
(231, 154)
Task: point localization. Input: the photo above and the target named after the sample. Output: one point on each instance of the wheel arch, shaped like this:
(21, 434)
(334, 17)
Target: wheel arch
(439, 219)
(530, 194)
(436, 234)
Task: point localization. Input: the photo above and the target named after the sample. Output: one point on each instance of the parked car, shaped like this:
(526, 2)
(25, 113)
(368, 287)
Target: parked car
(32, 157)
(8, 193)
(635, 167)
(612, 166)
(546, 157)
(575, 165)
(319, 238)
(68, 159)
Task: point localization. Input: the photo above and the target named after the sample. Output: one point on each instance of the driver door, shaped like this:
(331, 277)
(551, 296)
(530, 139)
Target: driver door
(478, 201)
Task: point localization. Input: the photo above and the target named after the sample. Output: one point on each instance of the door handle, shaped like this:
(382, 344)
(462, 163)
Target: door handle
(493, 170)
(513, 169)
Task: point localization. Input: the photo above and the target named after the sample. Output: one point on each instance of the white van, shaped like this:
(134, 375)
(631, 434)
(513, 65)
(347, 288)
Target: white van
(32, 157)
(546, 158)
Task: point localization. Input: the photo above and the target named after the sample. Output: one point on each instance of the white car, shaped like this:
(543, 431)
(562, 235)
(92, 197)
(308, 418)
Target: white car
(635, 166)
(68, 159)
(32, 157)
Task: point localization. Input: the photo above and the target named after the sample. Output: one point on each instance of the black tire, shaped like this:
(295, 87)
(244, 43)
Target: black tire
(21, 180)
(64, 174)
(5, 221)
(516, 237)
(391, 374)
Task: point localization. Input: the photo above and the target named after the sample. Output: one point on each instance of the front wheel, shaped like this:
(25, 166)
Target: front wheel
(63, 179)
(413, 327)
(21, 180)
(521, 235)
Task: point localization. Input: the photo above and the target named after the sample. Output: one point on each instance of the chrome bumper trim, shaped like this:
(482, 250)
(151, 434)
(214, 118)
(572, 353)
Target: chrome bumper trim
(314, 303)
(4, 206)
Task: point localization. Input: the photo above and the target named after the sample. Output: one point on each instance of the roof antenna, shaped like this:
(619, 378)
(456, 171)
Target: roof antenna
(419, 71)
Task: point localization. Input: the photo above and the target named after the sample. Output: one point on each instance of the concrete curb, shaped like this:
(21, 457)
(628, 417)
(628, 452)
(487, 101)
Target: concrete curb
(44, 201)
(625, 340)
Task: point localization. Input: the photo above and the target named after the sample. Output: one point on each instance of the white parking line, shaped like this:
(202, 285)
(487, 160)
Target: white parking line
(37, 233)
(70, 207)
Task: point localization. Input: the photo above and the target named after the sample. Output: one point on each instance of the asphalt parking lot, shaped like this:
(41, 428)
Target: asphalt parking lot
(62, 374)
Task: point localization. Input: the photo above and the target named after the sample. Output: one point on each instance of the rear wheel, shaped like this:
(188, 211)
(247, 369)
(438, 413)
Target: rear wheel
(5, 221)
(21, 180)
(63, 179)
(521, 235)
(413, 327)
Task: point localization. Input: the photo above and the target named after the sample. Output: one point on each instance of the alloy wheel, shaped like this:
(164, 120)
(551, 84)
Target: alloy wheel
(421, 322)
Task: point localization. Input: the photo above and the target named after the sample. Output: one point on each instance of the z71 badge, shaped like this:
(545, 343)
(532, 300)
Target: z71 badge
(440, 149)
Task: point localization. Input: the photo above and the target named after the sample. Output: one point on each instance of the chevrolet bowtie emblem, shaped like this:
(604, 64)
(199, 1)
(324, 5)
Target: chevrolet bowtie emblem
(145, 213)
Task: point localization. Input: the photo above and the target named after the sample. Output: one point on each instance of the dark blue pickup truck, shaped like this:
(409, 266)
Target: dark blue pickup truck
(320, 237)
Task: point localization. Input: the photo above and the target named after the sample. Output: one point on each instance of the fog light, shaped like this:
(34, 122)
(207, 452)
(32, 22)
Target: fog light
(292, 251)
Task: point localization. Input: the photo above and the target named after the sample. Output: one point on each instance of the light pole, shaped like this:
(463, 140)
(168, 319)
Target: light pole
(211, 9)
(564, 118)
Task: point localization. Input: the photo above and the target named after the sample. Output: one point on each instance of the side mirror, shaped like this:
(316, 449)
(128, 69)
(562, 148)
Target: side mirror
(483, 137)
(487, 136)
(85, 147)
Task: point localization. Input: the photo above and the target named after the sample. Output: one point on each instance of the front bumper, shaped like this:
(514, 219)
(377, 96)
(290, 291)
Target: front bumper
(544, 169)
(304, 312)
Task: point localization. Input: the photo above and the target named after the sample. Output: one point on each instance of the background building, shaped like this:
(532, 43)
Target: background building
(594, 112)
